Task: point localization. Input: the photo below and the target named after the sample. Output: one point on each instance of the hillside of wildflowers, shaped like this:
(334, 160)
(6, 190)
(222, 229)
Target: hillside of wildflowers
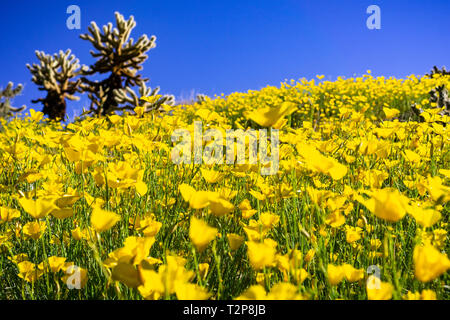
(358, 208)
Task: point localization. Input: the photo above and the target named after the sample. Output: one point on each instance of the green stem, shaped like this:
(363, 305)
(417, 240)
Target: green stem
(219, 275)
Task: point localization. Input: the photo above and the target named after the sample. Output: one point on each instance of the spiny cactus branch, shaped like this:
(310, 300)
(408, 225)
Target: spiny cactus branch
(118, 55)
(436, 70)
(6, 95)
(54, 74)
(439, 95)
(133, 100)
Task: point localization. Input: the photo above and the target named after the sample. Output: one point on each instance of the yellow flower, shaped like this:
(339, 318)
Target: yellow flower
(255, 292)
(102, 220)
(428, 295)
(235, 241)
(28, 271)
(439, 238)
(122, 175)
(75, 277)
(436, 189)
(139, 111)
(151, 99)
(115, 118)
(18, 258)
(35, 229)
(390, 112)
(317, 162)
(375, 244)
(36, 116)
(171, 275)
(335, 219)
(38, 208)
(141, 187)
(426, 217)
(412, 296)
(299, 275)
(258, 195)
(219, 206)
(153, 286)
(310, 255)
(246, 208)
(261, 254)
(54, 264)
(227, 193)
(412, 156)
(352, 234)
(135, 250)
(62, 213)
(388, 204)
(260, 278)
(190, 291)
(269, 220)
(79, 234)
(127, 274)
(424, 295)
(335, 274)
(201, 234)
(378, 290)
(150, 227)
(352, 274)
(211, 176)
(429, 263)
(268, 116)
(203, 269)
(196, 199)
(445, 172)
(284, 291)
(374, 178)
(8, 214)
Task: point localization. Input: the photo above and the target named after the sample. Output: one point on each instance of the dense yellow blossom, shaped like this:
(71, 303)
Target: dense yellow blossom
(358, 208)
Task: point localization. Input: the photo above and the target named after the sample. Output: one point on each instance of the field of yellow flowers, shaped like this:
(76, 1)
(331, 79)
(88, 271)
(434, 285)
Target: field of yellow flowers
(357, 210)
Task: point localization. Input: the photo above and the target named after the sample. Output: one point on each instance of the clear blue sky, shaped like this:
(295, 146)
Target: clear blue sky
(216, 47)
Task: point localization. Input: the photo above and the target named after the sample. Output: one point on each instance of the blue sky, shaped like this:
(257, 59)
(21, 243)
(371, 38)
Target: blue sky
(215, 47)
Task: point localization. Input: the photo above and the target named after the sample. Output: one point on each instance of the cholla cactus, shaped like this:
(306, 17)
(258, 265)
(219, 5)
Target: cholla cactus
(118, 55)
(54, 74)
(436, 70)
(439, 95)
(201, 98)
(152, 100)
(6, 95)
